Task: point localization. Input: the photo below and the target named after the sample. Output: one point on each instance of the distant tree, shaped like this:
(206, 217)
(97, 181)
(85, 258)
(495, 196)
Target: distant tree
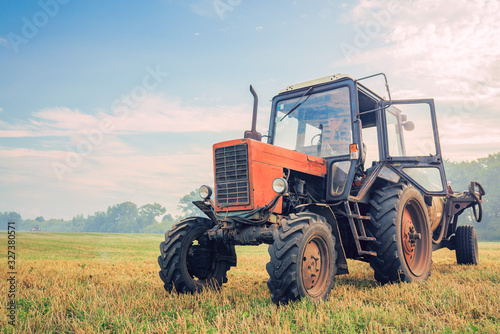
(168, 219)
(186, 205)
(148, 213)
(78, 223)
(159, 228)
(122, 218)
(487, 172)
(165, 225)
(95, 223)
(40, 219)
(7, 217)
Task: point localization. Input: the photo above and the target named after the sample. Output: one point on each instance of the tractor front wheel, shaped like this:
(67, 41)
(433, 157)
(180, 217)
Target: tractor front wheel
(189, 261)
(401, 226)
(303, 259)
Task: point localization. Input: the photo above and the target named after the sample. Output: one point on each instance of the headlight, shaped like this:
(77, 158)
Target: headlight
(280, 185)
(205, 192)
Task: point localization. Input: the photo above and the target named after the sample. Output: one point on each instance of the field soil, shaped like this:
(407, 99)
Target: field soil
(109, 283)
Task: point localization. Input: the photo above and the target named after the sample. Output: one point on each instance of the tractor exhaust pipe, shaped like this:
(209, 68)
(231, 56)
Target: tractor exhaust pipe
(253, 134)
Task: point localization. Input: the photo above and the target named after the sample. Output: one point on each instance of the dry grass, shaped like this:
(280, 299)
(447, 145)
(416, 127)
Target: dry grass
(92, 283)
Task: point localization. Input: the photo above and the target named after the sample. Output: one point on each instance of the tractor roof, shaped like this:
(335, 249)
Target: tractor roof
(315, 82)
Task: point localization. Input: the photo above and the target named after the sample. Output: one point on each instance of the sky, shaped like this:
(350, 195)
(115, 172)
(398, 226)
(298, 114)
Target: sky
(106, 102)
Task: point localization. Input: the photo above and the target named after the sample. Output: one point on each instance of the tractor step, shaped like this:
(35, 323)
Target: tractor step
(357, 224)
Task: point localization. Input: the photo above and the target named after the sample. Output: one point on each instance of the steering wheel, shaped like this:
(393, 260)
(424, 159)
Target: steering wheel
(478, 213)
(314, 137)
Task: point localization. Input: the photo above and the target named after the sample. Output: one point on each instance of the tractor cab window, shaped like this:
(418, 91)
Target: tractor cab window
(411, 134)
(409, 130)
(319, 126)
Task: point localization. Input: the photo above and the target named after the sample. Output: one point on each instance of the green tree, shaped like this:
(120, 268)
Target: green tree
(122, 218)
(487, 172)
(148, 213)
(187, 207)
(95, 223)
(168, 219)
(7, 217)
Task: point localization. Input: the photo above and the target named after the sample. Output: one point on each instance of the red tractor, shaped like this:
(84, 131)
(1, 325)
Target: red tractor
(344, 174)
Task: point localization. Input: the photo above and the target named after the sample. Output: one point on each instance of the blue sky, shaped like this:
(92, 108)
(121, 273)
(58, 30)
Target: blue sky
(104, 102)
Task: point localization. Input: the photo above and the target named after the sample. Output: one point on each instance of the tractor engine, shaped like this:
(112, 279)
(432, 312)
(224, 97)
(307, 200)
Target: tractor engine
(254, 180)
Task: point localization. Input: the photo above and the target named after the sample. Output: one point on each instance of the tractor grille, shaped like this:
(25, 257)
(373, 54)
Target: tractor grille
(231, 175)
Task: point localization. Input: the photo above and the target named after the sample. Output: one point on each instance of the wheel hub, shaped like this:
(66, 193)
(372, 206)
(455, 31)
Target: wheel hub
(409, 235)
(311, 265)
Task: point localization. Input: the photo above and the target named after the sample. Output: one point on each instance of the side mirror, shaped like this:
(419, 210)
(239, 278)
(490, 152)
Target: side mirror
(409, 126)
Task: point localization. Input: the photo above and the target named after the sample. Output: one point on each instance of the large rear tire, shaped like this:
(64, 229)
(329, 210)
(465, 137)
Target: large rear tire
(402, 228)
(303, 259)
(189, 261)
(466, 248)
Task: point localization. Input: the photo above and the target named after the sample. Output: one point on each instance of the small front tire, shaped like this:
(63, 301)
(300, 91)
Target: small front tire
(303, 259)
(189, 261)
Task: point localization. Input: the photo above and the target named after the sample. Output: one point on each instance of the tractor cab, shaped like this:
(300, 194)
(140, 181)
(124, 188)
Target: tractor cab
(354, 129)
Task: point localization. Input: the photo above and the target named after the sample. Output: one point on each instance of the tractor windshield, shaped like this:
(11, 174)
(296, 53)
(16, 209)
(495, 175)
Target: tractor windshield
(320, 125)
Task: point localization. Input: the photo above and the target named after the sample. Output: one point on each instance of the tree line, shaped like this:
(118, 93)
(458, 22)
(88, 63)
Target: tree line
(128, 217)
(125, 217)
(487, 172)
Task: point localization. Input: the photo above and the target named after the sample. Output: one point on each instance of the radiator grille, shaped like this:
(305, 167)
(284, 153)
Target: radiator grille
(231, 175)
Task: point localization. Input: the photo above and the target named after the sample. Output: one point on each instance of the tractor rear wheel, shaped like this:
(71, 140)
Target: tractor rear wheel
(466, 248)
(189, 261)
(303, 259)
(401, 226)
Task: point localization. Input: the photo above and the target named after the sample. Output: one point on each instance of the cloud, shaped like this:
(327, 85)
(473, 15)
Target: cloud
(457, 52)
(111, 169)
(203, 8)
(259, 28)
(214, 9)
(4, 42)
(446, 50)
(107, 175)
(154, 114)
(157, 114)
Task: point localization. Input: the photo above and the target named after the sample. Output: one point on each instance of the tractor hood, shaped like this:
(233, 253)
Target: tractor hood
(245, 169)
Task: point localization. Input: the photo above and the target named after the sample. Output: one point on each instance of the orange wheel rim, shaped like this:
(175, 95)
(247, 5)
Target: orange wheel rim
(415, 238)
(408, 243)
(311, 265)
(315, 263)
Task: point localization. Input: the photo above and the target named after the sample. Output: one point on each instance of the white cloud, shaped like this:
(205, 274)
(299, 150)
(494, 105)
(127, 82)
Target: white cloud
(4, 42)
(108, 176)
(214, 9)
(203, 8)
(259, 28)
(446, 50)
(451, 44)
(157, 114)
(154, 114)
(112, 171)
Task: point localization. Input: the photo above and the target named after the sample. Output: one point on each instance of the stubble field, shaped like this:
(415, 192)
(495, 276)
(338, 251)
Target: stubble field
(108, 283)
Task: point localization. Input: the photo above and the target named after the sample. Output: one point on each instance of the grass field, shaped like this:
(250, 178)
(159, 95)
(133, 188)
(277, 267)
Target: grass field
(88, 283)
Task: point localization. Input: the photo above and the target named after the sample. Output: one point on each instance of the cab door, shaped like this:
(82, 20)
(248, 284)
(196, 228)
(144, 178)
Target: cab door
(411, 143)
